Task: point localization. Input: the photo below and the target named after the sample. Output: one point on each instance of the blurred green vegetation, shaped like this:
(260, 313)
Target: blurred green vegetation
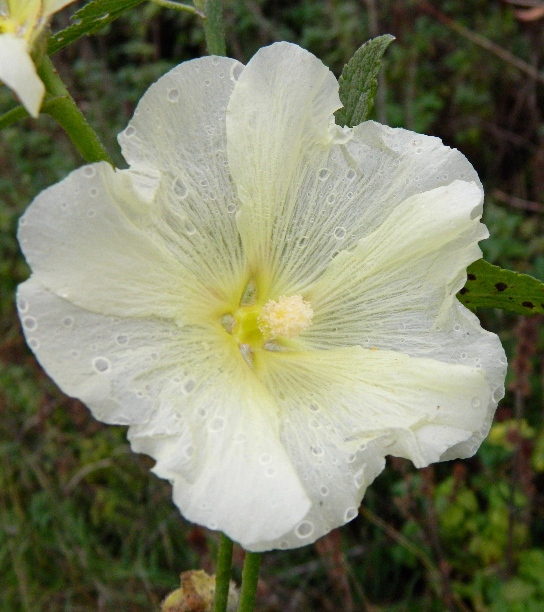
(84, 526)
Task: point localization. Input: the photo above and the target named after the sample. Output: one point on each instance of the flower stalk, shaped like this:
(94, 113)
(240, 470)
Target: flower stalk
(222, 574)
(214, 29)
(62, 107)
(250, 578)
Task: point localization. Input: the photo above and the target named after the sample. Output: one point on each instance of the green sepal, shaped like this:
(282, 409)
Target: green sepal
(359, 81)
(489, 286)
(89, 20)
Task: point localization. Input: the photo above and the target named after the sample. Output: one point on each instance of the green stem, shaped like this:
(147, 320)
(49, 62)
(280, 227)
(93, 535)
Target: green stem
(12, 116)
(177, 6)
(250, 577)
(213, 26)
(223, 574)
(62, 107)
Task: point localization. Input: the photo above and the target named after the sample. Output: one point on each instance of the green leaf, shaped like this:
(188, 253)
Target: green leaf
(489, 286)
(359, 81)
(89, 20)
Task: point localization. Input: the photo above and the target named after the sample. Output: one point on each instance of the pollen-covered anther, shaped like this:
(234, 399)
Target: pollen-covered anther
(287, 317)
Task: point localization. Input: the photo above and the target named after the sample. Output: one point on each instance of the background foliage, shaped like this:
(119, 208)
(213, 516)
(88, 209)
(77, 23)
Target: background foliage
(85, 527)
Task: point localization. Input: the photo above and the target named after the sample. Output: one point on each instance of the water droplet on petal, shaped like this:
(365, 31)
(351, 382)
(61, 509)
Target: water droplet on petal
(217, 424)
(351, 174)
(324, 491)
(122, 339)
(350, 514)
(305, 529)
(101, 364)
(68, 321)
(173, 95)
(130, 131)
(189, 386)
(236, 71)
(340, 233)
(189, 227)
(30, 323)
(22, 304)
(231, 208)
(89, 171)
(317, 450)
(265, 458)
(180, 189)
(323, 174)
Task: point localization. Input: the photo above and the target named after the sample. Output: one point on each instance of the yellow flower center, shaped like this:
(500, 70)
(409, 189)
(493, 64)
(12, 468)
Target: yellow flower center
(254, 325)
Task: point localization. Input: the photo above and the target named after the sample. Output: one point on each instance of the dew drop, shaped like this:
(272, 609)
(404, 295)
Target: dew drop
(350, 458)
(323, 174)
(331, 198)
(189, 386)
(324, 491)
(351, 174)
(173, 95)
(22, 304)
(456, 327)
(270, 471)
(68, 321)
(130, 131)
(180, 189)
(349, 195)
(350, 514)
(317, 450)
(74, 353)
(33, 343)
(101, 364)
(265, 458)
(284, 545)
(463, 355)
(91, 213)
(476, 403)
(30, 323)
(314, 407)
(89, 171)
(236, 71)
(217, 424)
(305, 529)
(301, 242)
(189, 451)
(240, 438)
(189, 227)
(93, 192)
(215, 60)
(340, 233)
(78, 22)
(498, 393)
(231, 208)
(122, 339)
(207, 82)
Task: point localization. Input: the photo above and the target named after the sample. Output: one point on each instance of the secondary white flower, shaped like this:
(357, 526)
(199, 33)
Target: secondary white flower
(267, 299)
(21, 23)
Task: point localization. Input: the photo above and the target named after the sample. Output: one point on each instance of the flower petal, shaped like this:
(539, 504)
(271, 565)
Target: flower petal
(396, 291)
(279, 129)
(413, 263)
(52, 6)
(88, 239)
(18, 72)
(178, 130)
(192, 404)
(343, 410)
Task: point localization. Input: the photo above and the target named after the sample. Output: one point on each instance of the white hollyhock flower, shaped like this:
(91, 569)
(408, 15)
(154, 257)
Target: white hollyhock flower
(21, 23)
(266, 299)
